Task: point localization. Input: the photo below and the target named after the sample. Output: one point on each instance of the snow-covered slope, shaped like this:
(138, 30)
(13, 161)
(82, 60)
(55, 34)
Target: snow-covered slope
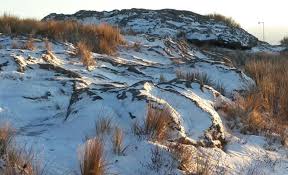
(197, 28)
(54, 104)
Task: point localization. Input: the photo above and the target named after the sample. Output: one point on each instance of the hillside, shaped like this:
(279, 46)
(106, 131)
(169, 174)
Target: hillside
(56, 105)
(196, 28)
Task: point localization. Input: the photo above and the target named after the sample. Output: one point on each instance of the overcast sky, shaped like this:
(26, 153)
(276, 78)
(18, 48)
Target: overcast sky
(247, 12)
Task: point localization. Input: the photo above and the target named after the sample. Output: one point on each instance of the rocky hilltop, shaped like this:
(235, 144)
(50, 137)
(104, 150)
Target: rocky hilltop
(167, 22)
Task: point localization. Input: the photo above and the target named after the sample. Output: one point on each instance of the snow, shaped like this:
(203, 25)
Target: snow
(38, 103)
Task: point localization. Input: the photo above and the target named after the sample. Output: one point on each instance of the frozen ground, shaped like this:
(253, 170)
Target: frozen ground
(54, 105)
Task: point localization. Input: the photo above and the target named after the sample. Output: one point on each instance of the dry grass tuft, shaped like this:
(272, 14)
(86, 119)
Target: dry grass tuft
(137, 129)
(202, 78)
(18, 161)
(6, 136)
(100, 38)
(47, 45)
(227, 20)
(117, 141)
(161, 162)
(85, 54)
(193, 161)
(103, 126)
(284, 41)
(156, 124)
(92, 161)
(29, 45)
(162, 79)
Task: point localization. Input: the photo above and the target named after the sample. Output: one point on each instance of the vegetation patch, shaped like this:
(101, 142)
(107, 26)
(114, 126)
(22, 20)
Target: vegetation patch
(101, 38)
(262, 108)
(226, 20)
(93, 161)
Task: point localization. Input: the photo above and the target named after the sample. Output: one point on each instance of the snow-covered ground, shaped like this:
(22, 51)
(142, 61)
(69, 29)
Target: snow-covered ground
(54, 105)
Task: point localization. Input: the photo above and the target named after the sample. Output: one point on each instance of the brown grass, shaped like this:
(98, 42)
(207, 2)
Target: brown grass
(227, 20)
(117, 141)
(268, 100)
(6, 136)
(85, 54)
(17, 159)
(92, 161)
(103, 126)
(193, 161)
(29, 45)
(263, 107)
(20, 160)
(156, 124)
(101, 38)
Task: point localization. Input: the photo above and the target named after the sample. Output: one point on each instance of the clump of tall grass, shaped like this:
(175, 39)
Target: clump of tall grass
(103, 126)
(93, 161)
(17, 160)
(156, 124)
(85, 54)
(117, 141)
(29, 45)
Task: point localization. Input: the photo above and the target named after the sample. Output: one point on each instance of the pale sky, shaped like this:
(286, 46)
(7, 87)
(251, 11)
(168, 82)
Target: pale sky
(247, 12)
